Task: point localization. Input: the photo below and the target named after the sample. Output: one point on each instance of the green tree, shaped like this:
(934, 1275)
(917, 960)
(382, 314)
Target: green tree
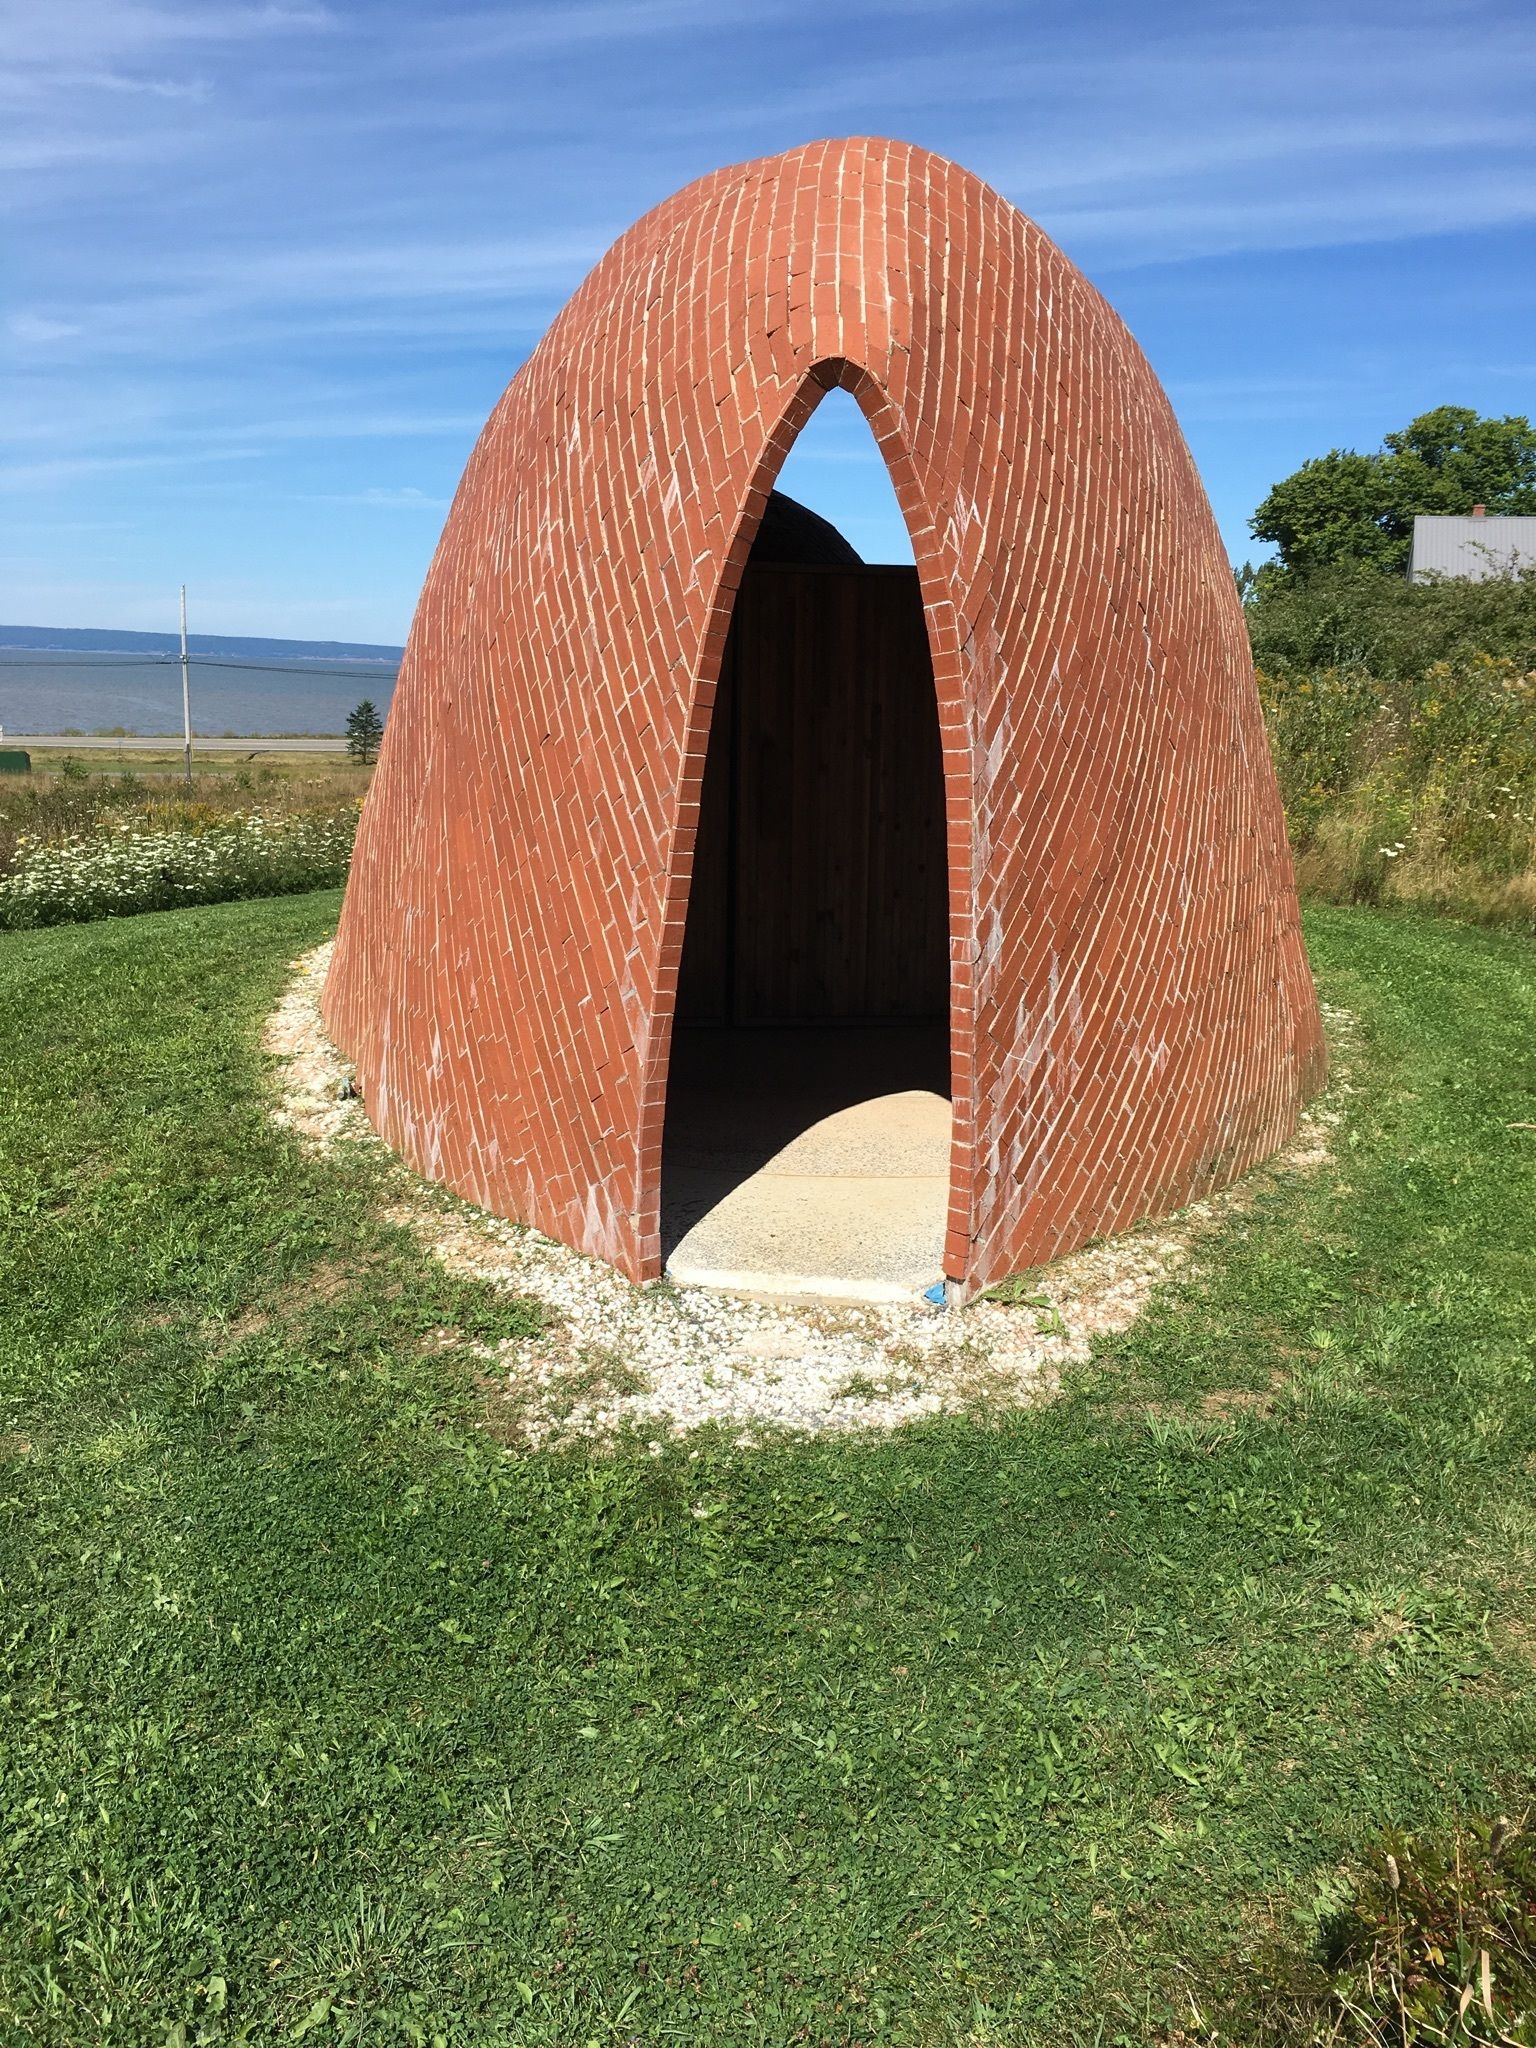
(365, 729)
(1346, 507)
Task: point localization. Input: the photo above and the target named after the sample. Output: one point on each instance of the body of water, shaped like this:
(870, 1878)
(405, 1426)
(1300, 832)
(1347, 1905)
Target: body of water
(60, 692)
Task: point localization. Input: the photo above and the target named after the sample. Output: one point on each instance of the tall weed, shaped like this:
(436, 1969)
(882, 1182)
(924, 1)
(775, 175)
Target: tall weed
(1415, 789)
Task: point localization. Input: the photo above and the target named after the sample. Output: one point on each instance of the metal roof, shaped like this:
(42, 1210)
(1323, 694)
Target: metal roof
(1473, 548)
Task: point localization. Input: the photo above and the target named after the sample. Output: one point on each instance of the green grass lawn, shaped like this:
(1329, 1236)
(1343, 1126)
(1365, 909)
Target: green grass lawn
(321, 1716)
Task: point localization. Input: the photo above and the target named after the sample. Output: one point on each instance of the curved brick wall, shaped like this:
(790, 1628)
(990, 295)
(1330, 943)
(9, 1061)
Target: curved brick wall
(1133, 1018)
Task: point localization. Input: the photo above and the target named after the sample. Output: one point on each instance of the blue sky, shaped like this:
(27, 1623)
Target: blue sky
(268, 267)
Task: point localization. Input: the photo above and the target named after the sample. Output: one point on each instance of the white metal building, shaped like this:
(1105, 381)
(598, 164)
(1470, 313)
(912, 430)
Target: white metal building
(1473, 546)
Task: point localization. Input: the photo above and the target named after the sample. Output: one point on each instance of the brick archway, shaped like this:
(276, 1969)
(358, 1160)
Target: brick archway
(1134, 1021)
(944, 656)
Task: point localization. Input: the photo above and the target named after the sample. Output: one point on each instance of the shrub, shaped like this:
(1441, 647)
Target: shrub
(167, 856)
(1362, 618)
(1420, 789)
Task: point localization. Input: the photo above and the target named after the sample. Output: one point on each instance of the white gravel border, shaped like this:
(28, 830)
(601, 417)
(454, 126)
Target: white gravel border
(662, 1360)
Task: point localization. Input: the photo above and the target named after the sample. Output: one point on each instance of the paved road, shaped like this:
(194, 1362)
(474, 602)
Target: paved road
(170, 744)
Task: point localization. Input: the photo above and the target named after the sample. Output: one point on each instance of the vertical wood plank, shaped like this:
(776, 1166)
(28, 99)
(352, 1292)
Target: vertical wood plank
(820, 888)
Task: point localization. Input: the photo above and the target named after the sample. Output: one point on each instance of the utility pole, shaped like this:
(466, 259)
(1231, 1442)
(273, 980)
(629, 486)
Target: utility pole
(186, 691)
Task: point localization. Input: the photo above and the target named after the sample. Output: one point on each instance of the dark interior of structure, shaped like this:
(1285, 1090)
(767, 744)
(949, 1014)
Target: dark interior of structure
(815, 970)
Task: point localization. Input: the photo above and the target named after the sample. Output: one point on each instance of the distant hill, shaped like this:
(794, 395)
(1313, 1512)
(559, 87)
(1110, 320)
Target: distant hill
(108, 640)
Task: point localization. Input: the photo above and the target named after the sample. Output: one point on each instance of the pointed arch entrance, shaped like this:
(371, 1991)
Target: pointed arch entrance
(809, 1095)
(808, 1126)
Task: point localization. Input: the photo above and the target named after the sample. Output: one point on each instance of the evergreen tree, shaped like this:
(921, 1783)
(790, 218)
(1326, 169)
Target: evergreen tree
(365, 729)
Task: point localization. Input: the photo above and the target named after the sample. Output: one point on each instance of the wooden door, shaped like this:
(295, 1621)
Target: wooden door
(820, 890)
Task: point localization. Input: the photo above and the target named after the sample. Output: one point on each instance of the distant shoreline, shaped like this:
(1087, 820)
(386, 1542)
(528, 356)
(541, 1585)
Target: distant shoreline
(119, 640)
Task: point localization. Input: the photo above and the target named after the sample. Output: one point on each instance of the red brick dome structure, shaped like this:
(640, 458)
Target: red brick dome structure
(1131, 1019)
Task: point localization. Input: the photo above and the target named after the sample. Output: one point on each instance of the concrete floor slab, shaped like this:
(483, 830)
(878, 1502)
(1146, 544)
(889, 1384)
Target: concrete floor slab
(794, 1170)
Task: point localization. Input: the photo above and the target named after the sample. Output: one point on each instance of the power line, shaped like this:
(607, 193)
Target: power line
(245, 668)
(276, 669)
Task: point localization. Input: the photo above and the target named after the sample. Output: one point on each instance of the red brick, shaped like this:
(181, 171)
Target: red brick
(1133, 1019)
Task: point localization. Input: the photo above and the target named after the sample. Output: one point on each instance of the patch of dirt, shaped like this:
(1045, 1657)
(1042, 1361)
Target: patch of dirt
(1513, 1632)
(1386, 1629)
(1224, 1401)
(326, 1281)
(239, 1330)
(661, 1360)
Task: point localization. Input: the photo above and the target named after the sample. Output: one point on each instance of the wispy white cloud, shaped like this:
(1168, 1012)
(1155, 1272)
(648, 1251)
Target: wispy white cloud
(34, 330)
(68, 469)
(393, 426)
(434, 287)
(431, 268)
(1160, 229)
(325, 235)
(67, 31)
(1280, 138)
(398, 498)
(22, 87)
(112, 412)
(1188, 137)
(35, 153)
(1275, 397)
(474, 35)
(67, 63)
